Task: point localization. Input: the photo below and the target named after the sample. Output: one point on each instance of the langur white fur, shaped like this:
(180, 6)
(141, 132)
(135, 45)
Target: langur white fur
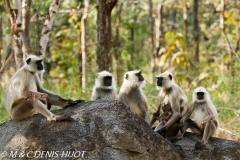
(170, 93)
(25, 95)
(205, 116)
(105, 86)
(131, 93)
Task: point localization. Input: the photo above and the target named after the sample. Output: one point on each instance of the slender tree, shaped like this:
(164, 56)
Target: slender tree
(16, 29)
(20, 26)
(49, 18)
(159, 29)
(154, 62)
(185, 24)
(26, 6)
(222, 21)
(117, 51)
(104, 45)
(1, 35)
(79, 7)
(196, 31)
(83, 43)
(173, 14)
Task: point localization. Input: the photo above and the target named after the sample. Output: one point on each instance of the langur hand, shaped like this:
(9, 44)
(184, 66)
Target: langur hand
(202, 126)
(70, 102)
(61, 117)
(181, 121)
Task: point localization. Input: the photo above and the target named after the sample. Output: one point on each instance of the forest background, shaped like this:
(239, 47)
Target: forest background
(198, 41)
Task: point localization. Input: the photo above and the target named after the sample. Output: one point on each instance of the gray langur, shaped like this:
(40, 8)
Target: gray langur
(205, 117)
(170, 94)
(131, 93)
(25, 95)
(105, 86)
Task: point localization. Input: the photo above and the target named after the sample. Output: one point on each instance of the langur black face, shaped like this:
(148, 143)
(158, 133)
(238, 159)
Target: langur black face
(35, 63)
(107, 81)
(159, 81)
(39, 65)
(200, 95)
(139, 75)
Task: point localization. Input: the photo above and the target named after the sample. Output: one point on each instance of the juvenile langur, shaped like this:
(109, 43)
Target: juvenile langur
(205, 117)
(166, 115)
(105, 86)
(170, 94)
(131, 93)
(173, 130)
(25, 95)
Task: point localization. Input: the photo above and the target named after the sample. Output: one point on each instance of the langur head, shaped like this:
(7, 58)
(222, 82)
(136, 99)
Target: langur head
(105, 80)
(34, 64)
(200, 95)
(134, 79)
(165, 80)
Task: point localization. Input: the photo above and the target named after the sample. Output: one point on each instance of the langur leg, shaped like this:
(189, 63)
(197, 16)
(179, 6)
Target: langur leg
(188, 123)
(40, 108)
(209, 130)
(56, 100)
(41, 96)
(22, 110)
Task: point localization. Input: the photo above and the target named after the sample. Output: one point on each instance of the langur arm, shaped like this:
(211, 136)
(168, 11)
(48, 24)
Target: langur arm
(114, 94)
(175, 105)
(144, 109)
(189, 113)
(94, 96)
(155, 115)
(123, 98)
(158, 111)
(59, 101)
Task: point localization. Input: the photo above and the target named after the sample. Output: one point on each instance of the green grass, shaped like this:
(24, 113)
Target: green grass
(3, 112)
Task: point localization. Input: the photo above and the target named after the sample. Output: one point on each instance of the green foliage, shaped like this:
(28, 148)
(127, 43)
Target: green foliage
(3, 112)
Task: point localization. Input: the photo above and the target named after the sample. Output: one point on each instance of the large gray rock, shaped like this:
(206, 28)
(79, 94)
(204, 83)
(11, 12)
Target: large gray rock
(216, 149)
(102, 129)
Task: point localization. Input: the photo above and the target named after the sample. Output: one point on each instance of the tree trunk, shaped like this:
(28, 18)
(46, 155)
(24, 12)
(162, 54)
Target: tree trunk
(131, 61)
(185, 24)
(222, 22)
(159, 29)
(49, 18)
(83, 44)
(196, 31)
(117, 61)
(16, 29)
(173, 14)
(1, 35)
(26, 47)
(237, 45)
(80, 6)
(154, 62)
(104, 61)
